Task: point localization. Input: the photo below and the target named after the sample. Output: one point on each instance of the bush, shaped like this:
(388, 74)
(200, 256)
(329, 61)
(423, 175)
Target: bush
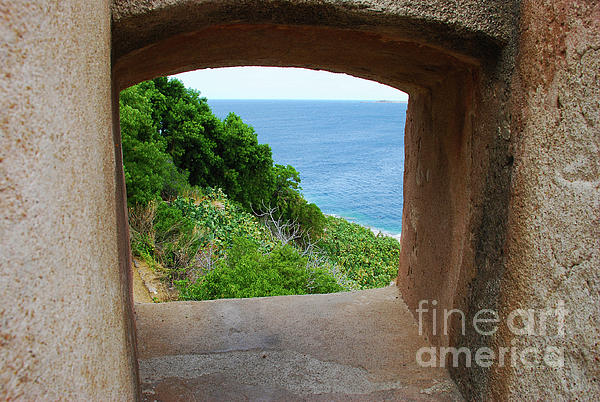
(176, 240)
(185, 238)
(291, 205)
(221, 220)
(141, 229)
(246, 272)
(371, 261)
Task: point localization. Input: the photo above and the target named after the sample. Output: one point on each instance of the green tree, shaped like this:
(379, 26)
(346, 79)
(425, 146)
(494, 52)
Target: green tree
(149, 170)
(172, 140)
(215, 153)
(246, 173)
(188, 127)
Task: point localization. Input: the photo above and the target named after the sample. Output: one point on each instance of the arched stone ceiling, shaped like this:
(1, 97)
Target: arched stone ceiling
(405, 44)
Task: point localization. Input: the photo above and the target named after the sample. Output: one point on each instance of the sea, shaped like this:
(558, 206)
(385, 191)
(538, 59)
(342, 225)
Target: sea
(350, 154)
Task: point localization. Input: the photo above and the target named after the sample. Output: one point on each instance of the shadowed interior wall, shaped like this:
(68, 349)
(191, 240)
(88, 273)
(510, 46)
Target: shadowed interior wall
(436, 247)
(458, 167)
(65, 323)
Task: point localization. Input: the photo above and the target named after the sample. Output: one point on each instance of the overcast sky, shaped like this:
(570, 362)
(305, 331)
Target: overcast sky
(284, 83)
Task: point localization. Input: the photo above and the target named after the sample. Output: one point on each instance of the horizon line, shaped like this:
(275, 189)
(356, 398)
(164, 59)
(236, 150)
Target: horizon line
(311, 99)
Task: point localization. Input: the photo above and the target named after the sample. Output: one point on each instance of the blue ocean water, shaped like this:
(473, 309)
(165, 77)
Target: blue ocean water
(350, 154)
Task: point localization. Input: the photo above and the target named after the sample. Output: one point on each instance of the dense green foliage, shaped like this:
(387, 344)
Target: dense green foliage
(255, 235)
(211, 247)
(172, 142)
(149, 170)
(246, 272)
(171, 138)
(187, 236)
(292, 206)
(219, 221)
(369, 260)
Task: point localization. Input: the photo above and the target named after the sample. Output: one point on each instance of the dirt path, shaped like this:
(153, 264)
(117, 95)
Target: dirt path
(147, 286)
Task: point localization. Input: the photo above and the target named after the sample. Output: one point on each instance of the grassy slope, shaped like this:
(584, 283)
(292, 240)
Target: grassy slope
(191, 237)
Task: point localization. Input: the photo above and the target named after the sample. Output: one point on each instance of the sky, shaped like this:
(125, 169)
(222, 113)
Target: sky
(285, 83)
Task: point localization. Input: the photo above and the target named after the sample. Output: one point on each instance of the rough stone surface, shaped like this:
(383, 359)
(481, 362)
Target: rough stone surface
(467, 26)
(553, 245)
(328, 347)
(375, 56)
(403, 44)
(65, 330)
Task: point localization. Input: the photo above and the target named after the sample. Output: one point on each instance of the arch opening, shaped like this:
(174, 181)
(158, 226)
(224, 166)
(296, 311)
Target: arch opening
(438, 136)
(346, 155)
(438, 126)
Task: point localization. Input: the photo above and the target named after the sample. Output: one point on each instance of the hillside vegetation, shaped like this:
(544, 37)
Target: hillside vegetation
(212, 213)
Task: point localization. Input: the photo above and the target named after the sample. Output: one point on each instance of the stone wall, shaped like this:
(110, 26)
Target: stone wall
(553, 244)
(65, 324)
(457, 173)
(529, 233)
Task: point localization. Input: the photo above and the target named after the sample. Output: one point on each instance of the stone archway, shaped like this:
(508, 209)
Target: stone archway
(449, 70)
(501, 186)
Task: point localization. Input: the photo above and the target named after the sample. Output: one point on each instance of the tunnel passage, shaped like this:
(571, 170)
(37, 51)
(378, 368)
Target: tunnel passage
(448, 70)
(524, 227)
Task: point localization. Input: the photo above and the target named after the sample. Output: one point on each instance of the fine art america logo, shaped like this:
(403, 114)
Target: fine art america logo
(549, 323)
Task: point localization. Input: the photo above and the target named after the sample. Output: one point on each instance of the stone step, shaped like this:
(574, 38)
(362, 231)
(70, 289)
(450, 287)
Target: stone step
(344, 346)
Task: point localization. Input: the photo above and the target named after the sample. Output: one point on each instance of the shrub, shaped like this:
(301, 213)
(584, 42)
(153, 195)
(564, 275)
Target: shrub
(221, 220)
(141, 229)
(164, 238)
(291, 205)
(246, 272)
(177, 240)
(371, 261)
(184, 238)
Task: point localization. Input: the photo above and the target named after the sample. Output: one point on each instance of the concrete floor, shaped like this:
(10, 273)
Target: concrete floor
(344, 346)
